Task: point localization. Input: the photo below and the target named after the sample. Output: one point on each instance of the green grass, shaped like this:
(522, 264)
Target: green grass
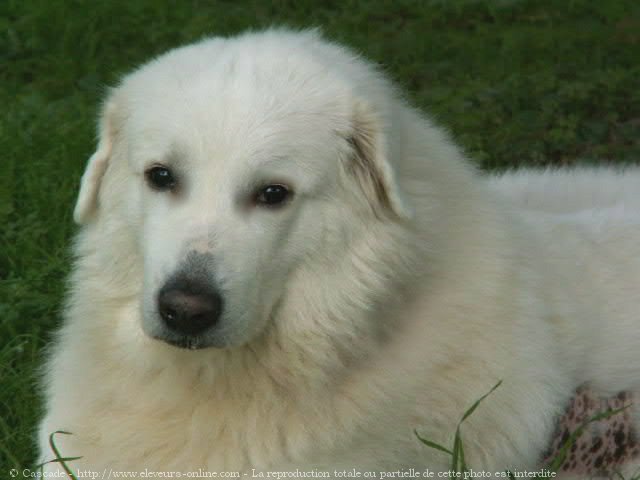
(517, 82)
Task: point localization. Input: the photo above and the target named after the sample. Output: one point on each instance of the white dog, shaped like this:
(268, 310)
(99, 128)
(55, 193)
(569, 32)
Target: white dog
(283, 266)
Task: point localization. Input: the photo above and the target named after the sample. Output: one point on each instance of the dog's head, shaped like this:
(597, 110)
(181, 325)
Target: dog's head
(237, 162)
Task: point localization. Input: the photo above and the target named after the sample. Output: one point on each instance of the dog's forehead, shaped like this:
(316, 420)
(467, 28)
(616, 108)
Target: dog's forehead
(186, 136)
(242, 108)
(225, 79)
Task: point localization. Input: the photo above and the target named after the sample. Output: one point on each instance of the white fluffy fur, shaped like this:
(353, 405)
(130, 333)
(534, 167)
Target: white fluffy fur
(391, 293)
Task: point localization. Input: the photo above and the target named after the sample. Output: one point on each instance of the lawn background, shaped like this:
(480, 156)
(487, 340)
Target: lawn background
(517, 82)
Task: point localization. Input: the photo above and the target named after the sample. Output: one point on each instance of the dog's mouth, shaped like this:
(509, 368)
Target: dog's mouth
(195, 342)
(186, 343)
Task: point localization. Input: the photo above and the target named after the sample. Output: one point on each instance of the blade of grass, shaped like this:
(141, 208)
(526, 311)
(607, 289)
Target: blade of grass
(458, 461)
(477, 402)
(58, 460)
(431, 444)
(59, 457)
(456, 452)
(463, 462)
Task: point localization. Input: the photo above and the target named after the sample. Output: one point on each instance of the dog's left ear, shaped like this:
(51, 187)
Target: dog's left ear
(87, 201)
(370, 165)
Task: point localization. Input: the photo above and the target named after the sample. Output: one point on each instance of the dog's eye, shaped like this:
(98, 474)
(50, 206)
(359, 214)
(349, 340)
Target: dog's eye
(272, 195)
(160, 178)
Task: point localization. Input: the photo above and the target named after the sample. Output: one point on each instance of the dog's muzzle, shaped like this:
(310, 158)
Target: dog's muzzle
(189, 305)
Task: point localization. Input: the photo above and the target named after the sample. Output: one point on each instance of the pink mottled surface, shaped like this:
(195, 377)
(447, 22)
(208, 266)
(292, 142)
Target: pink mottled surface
(605, 445)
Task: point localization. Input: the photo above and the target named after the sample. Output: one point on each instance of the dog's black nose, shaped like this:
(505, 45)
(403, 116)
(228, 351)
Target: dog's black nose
(189, 311)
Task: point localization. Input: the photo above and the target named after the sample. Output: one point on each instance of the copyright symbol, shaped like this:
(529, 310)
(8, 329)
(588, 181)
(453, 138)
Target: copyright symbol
(13, 472)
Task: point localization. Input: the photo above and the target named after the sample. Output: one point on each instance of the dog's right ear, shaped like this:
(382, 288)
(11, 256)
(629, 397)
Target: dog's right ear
(371, 167)
(87, 202)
